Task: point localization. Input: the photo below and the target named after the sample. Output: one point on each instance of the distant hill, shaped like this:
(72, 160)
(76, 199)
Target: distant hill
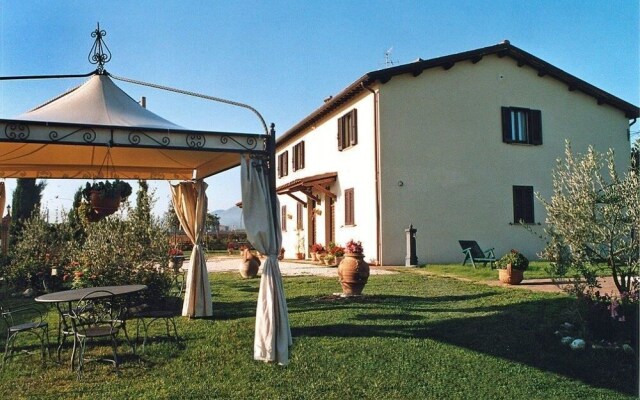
(231, 217)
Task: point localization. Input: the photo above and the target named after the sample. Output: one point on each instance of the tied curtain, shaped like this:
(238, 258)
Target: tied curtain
(3, 198)
(272, 334)
(190, 202)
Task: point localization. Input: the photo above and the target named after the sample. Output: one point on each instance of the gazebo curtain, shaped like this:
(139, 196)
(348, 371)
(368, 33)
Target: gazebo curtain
(3, 198)
(272, 335)
(190, 202)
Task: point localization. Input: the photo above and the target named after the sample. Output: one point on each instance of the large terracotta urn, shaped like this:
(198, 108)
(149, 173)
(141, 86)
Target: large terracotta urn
(249, 265)
(510, 276)
(353, 273)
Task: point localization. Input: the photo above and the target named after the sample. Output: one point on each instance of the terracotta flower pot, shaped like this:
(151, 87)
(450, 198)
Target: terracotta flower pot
(353, 273)
(510, 276)
(249, 268)
(104, 205)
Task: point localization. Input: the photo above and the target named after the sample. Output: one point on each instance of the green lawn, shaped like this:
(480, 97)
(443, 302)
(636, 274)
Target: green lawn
(412, 336)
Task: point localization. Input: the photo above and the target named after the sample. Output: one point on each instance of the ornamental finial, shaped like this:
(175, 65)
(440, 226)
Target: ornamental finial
(97, 54)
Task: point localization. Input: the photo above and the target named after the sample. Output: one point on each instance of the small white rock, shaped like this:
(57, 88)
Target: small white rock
(566, 340)
(577, 344)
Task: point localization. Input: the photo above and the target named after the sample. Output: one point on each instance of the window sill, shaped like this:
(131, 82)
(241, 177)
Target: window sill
(522, 144)
(524, 223)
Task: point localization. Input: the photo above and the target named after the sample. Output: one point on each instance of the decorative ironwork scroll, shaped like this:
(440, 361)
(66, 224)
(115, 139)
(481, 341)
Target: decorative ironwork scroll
(135, 138)
(88, 135)
(97, 54)
(196, 141)
(251, 144)
(16, 131)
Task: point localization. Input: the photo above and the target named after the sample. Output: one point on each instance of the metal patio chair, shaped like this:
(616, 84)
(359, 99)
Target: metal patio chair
(24, 320)
(96, 316)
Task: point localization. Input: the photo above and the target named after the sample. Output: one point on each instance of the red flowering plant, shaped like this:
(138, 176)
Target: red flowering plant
(354, 247)
(317, 248)
(335, 249)
(174, 251)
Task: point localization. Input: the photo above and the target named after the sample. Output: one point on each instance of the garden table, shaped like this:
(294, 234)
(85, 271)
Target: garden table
(69, 296)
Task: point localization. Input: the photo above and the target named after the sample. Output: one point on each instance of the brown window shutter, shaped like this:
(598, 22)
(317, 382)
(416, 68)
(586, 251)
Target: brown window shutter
(535, 127)
(340, 133)
(294, 158)
(283, 218)
(299, 219)
(348, 207)
(280, 166)
(353, 137)
(285, 163)
(302, 154)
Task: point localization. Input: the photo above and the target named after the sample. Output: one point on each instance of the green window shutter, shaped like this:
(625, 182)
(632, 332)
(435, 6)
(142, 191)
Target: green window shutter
(506, 125)
(535, 127)
(523, 204)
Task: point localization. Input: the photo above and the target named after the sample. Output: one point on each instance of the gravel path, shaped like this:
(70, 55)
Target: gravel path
(287, 268)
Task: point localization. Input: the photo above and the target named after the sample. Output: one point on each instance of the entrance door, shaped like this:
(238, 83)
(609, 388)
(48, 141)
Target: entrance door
(329, 220)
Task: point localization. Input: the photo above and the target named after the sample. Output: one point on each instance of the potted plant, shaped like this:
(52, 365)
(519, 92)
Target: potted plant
(105, 197)
(512, 265)
(176, 259)
(316, 250)
(353, 271)
(329, 259)
(337, 251)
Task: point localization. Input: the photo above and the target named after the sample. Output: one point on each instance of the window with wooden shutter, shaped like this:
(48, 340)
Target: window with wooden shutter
(298, 156)
(523, 204)
(521, 125)
(283, 218)
(299, 217)
(283, 164)
(349, 207)
(348, 130)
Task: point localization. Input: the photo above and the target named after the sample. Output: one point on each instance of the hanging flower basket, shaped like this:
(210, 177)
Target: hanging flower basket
(105, 197)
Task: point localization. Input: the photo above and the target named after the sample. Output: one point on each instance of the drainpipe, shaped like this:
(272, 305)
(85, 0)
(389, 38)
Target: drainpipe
(376, 157)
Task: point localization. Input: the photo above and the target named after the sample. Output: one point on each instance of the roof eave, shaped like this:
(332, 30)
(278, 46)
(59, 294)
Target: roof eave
(502, 49)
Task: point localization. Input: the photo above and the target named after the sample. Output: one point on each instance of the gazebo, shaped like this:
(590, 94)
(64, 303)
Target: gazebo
(97, 131)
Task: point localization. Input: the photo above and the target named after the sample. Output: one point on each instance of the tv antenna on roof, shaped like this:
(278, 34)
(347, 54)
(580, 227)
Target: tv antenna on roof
(388, 62)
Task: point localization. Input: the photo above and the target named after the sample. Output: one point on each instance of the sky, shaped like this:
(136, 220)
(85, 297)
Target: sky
(284, 57)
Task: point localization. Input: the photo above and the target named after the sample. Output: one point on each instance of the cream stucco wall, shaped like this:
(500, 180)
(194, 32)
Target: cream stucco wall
(355, 168)
(441, 136)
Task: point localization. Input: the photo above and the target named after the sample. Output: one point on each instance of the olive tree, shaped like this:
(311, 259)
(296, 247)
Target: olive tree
(593, 220)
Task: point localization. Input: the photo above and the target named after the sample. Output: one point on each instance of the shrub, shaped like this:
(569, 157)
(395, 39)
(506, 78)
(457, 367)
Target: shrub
(121, 252)
(515, 258)
(40, 247)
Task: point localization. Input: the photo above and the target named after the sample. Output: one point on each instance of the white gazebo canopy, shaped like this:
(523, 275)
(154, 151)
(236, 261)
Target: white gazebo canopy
(98, 131)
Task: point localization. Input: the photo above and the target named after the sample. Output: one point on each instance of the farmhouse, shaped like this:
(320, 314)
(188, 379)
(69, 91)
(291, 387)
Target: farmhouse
(457, 146)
